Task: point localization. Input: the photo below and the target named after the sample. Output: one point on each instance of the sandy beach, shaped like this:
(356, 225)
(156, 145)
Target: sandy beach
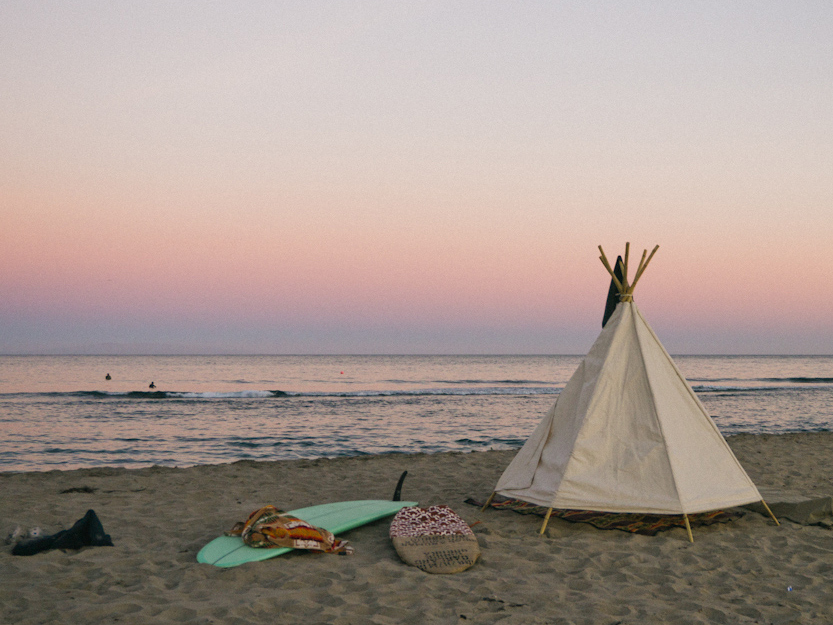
(744, 571)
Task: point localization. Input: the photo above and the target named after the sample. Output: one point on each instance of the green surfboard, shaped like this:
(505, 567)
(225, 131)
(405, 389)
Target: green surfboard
(228, 551)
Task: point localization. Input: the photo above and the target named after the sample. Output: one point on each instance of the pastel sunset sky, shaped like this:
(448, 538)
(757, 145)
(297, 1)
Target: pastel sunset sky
(413, 177)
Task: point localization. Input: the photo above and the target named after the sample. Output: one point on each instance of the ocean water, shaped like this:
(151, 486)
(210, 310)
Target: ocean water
(59, 412)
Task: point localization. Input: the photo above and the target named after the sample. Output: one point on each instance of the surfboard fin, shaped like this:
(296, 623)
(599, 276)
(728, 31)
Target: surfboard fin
(397, 494)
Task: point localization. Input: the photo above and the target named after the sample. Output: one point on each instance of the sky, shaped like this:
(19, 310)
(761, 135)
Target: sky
(417, 177)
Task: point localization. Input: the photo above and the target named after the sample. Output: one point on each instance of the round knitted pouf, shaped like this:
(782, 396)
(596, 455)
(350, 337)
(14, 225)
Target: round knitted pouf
(434, 539)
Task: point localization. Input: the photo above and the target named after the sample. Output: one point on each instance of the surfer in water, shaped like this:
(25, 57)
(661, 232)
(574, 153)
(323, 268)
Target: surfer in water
(152, 385)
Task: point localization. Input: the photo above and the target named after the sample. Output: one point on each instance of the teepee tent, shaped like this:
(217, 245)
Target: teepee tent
(627, 433)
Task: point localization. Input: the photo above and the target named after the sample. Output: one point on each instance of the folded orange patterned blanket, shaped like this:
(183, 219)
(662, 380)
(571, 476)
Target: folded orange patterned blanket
(269, 527)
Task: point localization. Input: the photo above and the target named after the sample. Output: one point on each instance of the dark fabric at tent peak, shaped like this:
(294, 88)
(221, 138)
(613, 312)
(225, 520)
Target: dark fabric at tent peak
(613, 292)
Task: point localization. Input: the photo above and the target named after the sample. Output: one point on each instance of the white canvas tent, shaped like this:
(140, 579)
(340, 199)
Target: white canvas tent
(627, 433)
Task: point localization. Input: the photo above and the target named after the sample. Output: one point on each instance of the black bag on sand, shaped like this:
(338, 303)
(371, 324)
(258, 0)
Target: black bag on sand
(87, 532)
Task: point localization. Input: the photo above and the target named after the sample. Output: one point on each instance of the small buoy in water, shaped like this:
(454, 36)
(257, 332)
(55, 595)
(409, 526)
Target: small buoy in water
(342, 373)
(152, 385)
(107, 377)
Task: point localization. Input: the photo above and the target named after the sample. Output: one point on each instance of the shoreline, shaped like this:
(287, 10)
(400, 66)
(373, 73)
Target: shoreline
(739, 436)
(159, 517)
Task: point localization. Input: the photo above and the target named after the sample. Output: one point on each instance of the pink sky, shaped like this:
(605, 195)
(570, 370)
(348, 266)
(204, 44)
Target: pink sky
(396, 178)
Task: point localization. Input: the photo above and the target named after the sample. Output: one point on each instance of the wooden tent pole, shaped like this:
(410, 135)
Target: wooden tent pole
(546, 520)
(688, 528)
(625, 268)
(603, 258)
(644, 267)
(770, 513)
(641, 266)
(488, 501)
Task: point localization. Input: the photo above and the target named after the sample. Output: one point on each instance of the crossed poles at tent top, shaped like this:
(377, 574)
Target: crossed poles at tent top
(625, 289)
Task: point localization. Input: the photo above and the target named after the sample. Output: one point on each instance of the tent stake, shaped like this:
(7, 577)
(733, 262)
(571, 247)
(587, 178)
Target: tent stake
(488, 501)
(688, 528)
(770, 513)
(546, 520)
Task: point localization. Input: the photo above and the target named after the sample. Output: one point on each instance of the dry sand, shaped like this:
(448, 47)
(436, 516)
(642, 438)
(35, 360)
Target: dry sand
(746, 571)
